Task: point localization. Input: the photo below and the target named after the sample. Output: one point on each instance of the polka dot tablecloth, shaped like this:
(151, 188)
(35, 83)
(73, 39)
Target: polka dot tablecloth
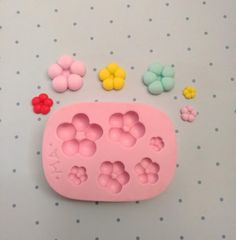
(197, 37)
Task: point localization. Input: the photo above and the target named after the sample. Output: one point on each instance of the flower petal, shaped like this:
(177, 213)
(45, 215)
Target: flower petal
(191, 118)
(87, 147)
(123, 178)
(54, 70)
(59, 84)
(155, 88)
(143, 178)
(93, 132)
(78, 68)
(150, 77)
(114, 186)
(65, 61)
(104, 74)
(106, 168)
(130, 118)
(127, 139)
(115, 134)
(137, 130)
(116, 120)
(184, 116)
(156, 68)
(104, 179)
(168, 71)
(168, 83)
(152, 178)
(146, 162)
(139, 169)
(70, 147)
(120, 72)
(118, 168)
(80, 121)
(75, 82)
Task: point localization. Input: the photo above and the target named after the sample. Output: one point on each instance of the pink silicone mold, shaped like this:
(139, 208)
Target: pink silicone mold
(109, 151)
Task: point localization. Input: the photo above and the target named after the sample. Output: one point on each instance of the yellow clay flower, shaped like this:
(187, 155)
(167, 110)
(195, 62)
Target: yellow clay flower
(189, 92)
(112, 77)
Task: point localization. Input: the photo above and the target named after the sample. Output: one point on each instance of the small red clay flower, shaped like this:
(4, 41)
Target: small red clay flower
(42, 104)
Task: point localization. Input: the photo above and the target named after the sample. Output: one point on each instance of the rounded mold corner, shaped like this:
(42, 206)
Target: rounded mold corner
(157, 143)
(66, 131)
(113, 176)
(80, 121)
(147, 171)
(77, 175)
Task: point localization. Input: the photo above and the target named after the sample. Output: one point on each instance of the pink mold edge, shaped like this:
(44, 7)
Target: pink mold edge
(57, 165)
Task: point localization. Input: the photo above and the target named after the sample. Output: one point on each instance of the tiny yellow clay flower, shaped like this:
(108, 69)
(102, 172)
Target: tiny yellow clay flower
(112, 77)
(189, 92)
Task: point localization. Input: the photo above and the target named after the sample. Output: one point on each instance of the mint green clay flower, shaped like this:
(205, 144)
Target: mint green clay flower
(159, 78)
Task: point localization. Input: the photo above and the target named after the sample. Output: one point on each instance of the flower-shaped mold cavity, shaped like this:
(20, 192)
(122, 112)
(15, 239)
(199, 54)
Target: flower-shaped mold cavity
(113, 176)
(126, 128)
(67, 73)
(77, 175)
(79, 136)
(159, 78)
(147, 171)
(157, 143)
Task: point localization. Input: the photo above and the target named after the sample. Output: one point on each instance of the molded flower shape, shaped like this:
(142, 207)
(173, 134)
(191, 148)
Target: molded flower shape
(157, 143)
(147, 171)
(189, 92)
(42, 103)
(159, 78)
(78, 175)
(67, 73)
(188, 113)
(79, 136)
(113, 176)
(126, 128)
(112, 77)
